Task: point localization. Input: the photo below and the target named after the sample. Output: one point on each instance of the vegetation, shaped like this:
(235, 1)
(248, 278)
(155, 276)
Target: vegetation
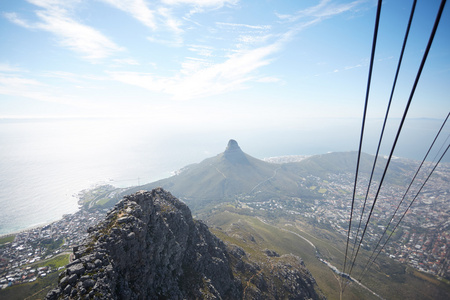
(31, 290)
(39, 288)
(55, 262)
(98, 197)
(389, 279)
(7, 239)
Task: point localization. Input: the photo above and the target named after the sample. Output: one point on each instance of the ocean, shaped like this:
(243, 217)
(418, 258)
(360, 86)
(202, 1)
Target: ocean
(45, 163)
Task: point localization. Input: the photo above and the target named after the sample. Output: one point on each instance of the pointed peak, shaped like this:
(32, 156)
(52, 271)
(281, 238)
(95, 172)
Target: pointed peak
(234, 154)
(232, 145)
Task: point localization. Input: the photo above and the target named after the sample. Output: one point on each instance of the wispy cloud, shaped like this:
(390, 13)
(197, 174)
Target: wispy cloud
(215, 79)
(202, 50)
(71, 77)
(18, 86)
(202, 3)
(55, 18)
(6, 67)
(126, 61)
(255, 47)
(325, 9)
(14, 18)
(20, 83)
(260, 27)
(138, 9)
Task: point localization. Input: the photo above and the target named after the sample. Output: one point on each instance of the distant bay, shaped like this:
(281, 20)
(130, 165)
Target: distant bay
(44, 163)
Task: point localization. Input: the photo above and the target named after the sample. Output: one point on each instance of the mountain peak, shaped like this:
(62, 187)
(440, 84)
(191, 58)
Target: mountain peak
(232, 146)
(234, 154)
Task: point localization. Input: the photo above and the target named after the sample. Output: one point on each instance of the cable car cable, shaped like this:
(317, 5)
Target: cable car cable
(416, 81)
(385, 121)
(370, 261)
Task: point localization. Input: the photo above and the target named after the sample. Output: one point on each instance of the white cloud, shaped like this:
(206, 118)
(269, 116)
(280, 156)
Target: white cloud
(202, 76)
(253, 39)
(202, 50)
(324, 9)
(72, 77)
(138, 9)
(202, 3)
(16, 82)
(259, 27)
(126, 61)
(193, 65)
(198, 79)
(175, 41)
(6, 67)
(14, 18)
(18, 86)
(78, 37)
(169, 20)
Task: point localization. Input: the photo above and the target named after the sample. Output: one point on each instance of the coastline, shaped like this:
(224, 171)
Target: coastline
(43, 224)
(80, 196)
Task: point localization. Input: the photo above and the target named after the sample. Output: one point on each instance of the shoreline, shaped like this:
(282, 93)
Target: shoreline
(43, 224)
(77, 195)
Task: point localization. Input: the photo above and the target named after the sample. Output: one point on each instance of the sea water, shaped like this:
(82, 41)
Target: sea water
(45, 163)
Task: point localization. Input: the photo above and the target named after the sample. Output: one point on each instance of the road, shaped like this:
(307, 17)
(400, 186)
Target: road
(328, 264)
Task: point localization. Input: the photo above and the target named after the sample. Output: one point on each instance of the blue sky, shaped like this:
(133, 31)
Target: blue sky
(217, 62)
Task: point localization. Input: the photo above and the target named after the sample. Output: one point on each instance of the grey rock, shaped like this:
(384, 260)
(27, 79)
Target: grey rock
(64, 281)
(76, 269)
(149, 247)
(90, 266)
(98, 263)
(88, 283)
(72, 279)
(68, 289)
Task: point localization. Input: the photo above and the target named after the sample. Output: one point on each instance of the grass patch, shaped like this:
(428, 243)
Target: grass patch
(31, 290)
(55, 262)
(7, 239)
(103, 201)
(39, 288)
(322, 190)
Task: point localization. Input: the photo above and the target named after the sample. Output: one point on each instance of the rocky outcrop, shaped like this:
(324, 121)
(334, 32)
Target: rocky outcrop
(234, 154)
(278, 277)
(150, 247)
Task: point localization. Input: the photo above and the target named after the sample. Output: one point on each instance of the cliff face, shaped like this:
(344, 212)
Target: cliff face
(149, 247)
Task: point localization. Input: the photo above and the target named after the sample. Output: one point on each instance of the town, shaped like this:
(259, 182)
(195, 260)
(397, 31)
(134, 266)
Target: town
(421, 240)
(39, 244)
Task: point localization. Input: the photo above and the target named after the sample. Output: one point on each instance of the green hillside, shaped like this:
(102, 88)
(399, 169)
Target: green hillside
(388, 278)
(228, 175)
(234, 174)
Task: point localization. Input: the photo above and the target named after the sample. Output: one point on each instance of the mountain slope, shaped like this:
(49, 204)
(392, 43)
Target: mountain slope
(233, 174)
(149, 247)
(228, 175)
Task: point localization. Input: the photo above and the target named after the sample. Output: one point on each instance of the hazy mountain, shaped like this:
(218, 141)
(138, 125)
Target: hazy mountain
(234, 173)
(225, 176)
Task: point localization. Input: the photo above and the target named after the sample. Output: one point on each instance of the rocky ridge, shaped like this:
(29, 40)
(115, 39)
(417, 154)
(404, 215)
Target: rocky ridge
(149, 247)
